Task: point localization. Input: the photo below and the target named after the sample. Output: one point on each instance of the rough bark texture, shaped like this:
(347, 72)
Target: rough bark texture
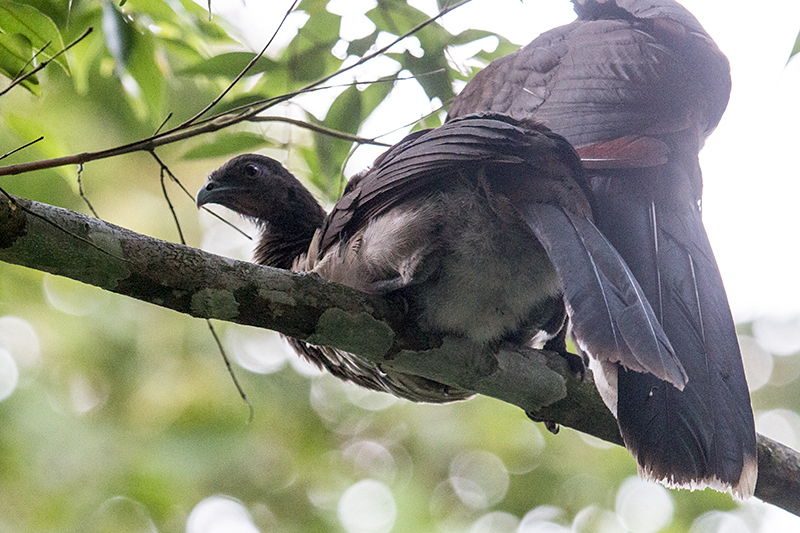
(204, 285)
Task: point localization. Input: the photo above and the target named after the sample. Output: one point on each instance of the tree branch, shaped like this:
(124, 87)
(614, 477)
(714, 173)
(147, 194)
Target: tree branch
(195, 127)
(306, 307)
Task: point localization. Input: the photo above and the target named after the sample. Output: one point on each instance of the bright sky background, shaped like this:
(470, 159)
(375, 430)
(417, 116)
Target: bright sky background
(752, 180)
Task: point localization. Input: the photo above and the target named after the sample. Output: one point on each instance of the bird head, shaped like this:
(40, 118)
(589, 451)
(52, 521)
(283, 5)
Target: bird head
(260, 188)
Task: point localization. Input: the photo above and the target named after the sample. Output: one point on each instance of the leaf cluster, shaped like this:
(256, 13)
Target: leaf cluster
(165, 60)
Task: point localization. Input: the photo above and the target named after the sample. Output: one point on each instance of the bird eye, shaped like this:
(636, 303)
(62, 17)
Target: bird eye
(251, 170)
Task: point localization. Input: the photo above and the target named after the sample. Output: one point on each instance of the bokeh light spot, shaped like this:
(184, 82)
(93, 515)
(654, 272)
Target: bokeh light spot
(595, 519)
(121, 514)
(644, 507)
(9, 374)
(719, 522)
(757, 361)
(778, 336)
(305, 367)
(220, 514)
(372, 459)
(542, 519)
(781, 425)
(257, 350)
(369, 399)
(527, 443)
(19, 337)
(480, 479)
(86, 395)
(497, 522)
(70, 297)
(367, 507)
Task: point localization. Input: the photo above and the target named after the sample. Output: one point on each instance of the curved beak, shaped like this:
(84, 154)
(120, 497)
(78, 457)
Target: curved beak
(206, 194)
(231, 195)
(225, 194)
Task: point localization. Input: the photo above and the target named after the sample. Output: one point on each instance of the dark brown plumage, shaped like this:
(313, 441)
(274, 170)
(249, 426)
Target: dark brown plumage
(483, 225)
(637, 86)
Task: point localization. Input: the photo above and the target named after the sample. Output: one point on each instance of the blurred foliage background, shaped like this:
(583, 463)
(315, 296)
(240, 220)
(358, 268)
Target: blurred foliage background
(119, 416)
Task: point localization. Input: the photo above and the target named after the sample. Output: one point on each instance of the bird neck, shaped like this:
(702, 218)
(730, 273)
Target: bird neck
(286, 238)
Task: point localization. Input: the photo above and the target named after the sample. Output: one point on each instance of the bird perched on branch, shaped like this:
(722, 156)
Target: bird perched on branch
(483, 226)
(637, 86)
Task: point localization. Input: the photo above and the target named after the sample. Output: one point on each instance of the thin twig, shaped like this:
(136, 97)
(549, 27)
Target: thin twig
(209, 125)
(163, 171)
(166, 171)
(275, 100)
(319, 129)
(190, 195)
(164, 123)
(143, 145)
(32, 59)
(15, 150)
(383, 50)
(252, 62)
(413, 122)
(221, 219)
(215, 123)
(81, 193)
(314, 85)
(43, 64)
(239, 388)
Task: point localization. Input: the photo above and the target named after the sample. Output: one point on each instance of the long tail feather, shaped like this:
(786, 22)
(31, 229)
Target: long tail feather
(611, 318)
(703, 435)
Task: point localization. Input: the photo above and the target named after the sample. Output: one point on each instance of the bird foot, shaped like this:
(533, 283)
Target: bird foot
(551, 426)
(576, 364)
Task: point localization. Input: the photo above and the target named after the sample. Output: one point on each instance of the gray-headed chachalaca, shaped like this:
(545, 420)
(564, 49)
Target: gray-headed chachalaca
(483, 226)
(637, 86)
(486, 226)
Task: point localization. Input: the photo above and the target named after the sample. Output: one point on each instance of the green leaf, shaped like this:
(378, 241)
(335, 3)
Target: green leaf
(274, 83)
(84, 58)
(396, 17)
(432, 72)
(432, 69)
(431, 121)
(226, 144)
(359, 47)
(36, 26)
(119, 34)
(796, 48)
(143, 67)
(230, 65)
(184, 18)
(180, 53)
(373, 95)
(15, 50)
(51, 147)
(313, 7)
(311, 64)
(323, 27)
(345, 114)
(504, 47)
(308, 57)
(468, 36)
